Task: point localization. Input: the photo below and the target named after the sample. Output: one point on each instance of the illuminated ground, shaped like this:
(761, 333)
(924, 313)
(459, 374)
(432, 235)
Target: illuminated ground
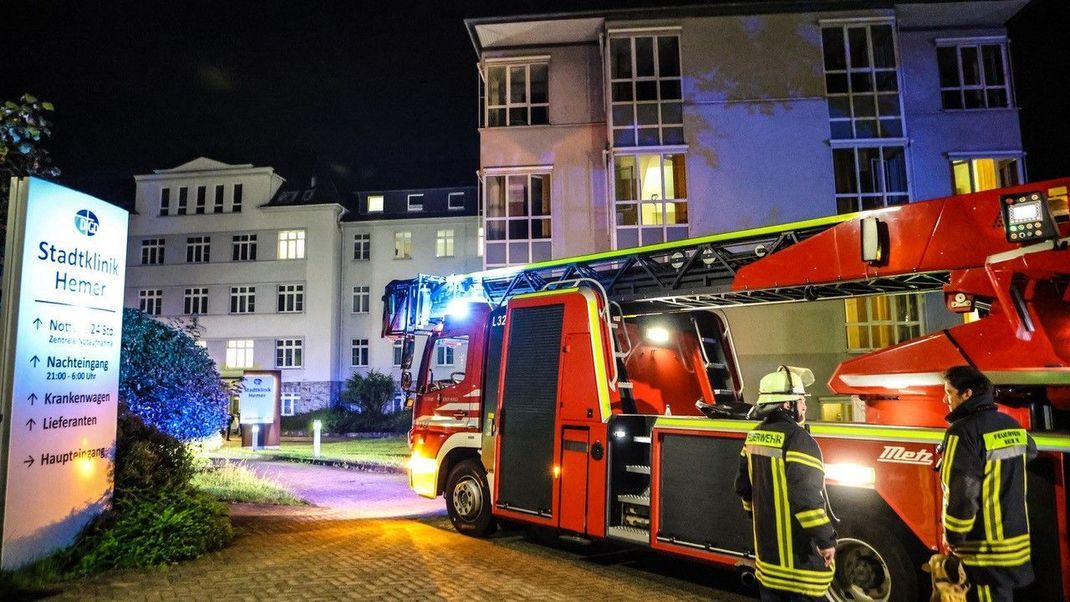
(370, 539)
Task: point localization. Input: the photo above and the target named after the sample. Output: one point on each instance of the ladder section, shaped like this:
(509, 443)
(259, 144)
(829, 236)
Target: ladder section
(629, 478)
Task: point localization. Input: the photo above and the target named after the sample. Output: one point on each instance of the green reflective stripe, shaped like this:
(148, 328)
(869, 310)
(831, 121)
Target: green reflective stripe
(817, 522)
(805, 459)
(958, 525)
(765, 439)
(1059, 443)
(705, 424)
(559, 291)
(890, 433)
(810, 513)
(949, 458)
(781, 511)
(984, 593)
(1006, 438)
(807, 575)
(1014, 544)
(746, 505)
(996, 558)
(792, 584)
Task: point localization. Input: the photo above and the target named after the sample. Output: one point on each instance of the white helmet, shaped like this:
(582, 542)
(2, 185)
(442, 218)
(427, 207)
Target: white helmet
(788, 383)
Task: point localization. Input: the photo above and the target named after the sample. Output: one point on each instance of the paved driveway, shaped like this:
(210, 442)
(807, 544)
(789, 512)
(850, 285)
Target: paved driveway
(369, 538)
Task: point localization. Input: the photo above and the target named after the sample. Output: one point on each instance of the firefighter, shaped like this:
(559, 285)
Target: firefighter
(983, 472)
(781, 482)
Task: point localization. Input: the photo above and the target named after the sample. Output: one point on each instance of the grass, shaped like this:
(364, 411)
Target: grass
(390, 452)
(236, 483)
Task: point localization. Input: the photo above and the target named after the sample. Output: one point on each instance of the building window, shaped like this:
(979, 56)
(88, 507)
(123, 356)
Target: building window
(974, 75)
(375, 203)
(288, 353)
(444, 243)
(152, 251)
(196, 301)
(877, 322)
(450, 353)
(291, 298)
(517, 219)
(289, 403)
(183, 200)
(244, 247)
(647, 109)
(650, 194)
(444, 356)
(165, 201)
(397, 354)
(202, 194)
(362, 247)
(361, 300)
(403, 245)
(242, 299)
(291, 244)
(977, 174)
(150, 301)
(235, 204)
(360, 353)
(870, 177)
(198, 249)
(455, 201)
(218, 208)
(517, 95)
(240, 353)
(862, 81)
(415, 202)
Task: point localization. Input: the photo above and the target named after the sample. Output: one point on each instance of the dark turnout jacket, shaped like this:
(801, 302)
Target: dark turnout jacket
(983, 472)
(781, 482)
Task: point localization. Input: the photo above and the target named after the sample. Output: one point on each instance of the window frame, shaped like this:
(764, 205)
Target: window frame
(150, 301)
(233, 348)
(412, 207)
(362, 246)
(677, 230)
(183, 200)
(398, 351)
(882, 193)
(510, 105)
(289, 400)
(295, 359)
(243, 247)
(198, 249)
(290, 298)
(195, 301)
(242, 300)
(359, 349)
(449, 201)
(403, 242)
(871, 71)
(165, 201)
(917, 325)
(236, 198)
(668, 132)
(291, 245)
(220, 192)
(978, 43)
(153, 251)
(445, 242)
(997, 157)
(361, 300)
(529, 244)
(380, 203)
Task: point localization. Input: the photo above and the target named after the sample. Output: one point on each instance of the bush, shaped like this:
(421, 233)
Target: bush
(370, 392)
(147, 460)
(140, 532)
(169, 381)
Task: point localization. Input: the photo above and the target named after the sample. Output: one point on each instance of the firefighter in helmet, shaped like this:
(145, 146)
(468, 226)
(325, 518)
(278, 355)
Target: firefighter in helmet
(781, 482)
(983, 472)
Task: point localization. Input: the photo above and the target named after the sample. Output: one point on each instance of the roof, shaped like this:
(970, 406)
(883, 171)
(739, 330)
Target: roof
(311, 190)
(412, 203)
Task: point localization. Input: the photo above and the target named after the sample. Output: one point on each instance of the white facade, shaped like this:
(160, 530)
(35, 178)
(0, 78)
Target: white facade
(269, 270)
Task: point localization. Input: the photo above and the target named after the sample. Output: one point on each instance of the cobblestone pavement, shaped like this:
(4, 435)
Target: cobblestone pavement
(369, 538)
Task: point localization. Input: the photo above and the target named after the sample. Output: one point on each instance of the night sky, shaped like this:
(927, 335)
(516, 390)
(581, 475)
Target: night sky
(384, 95)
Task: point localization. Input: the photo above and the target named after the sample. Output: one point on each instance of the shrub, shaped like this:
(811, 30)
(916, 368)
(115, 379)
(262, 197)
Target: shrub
(169, 381)
(370, 392)
(147, 460)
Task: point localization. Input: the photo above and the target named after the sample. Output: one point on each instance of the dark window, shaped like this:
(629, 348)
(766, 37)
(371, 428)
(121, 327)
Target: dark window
(219, 199)
(165, 201)
(183, 200)
(201, 192)
(235, 205)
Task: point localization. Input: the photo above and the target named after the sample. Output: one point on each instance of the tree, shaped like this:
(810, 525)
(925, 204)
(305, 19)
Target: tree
(22, 129)
(370, 392)
(169, 381)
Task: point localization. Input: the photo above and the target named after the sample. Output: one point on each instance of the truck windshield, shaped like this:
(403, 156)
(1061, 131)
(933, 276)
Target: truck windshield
(445, 365)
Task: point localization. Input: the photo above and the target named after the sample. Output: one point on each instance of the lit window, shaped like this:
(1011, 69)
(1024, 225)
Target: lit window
(240, 353)
(289, 403)
(362, 247)
(455, 201)
(517, 95)
(292, 244)
(375, 203)
(974, 74)
(360, 353)
(403, 245)
(645, 86)
(150, 301)
(288, 353)
(195, 301)
(651, 199)
(291, 298)
(397, 353)
(884, 320)
(152, 251)
(243, 247)
(517, 219)
(444, 243)
(242, 299)
(977, 174)
(416, 202)
(361, 300)
(198, 249)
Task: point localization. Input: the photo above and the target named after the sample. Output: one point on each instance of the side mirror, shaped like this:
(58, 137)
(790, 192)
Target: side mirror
(406, 381)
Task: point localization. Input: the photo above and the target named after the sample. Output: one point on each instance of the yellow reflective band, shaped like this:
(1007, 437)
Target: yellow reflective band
(883, 433)
(949, 458)
(1059, 443)
(984, 593)
(746, 505)
(791, 585)
(997, 505)
(705, 424)
(810, 576)
(958, 525)
(810, 514)
(817, 522)
(601, 376)
(765, 439)
(779, 510)
(1006, 438)
(996, 559)
(1014, 544)
(805, 459)
(560, 291)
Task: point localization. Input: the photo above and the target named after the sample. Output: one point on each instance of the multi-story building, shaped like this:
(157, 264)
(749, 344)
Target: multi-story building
(270, 270)
(609, 130)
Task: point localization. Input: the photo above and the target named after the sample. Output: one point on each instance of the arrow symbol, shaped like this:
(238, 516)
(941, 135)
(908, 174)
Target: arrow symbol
(32, 398)
(37, 323)
(30, 423)
(28, 461)
(34, 360)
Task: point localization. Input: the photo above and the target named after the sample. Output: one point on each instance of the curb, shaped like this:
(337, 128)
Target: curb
(343, 464)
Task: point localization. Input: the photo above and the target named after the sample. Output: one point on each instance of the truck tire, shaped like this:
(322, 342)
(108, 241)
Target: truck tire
(873, 565)
(468, 499)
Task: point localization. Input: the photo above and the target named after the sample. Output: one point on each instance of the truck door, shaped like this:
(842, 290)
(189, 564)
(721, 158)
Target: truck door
(573, 479)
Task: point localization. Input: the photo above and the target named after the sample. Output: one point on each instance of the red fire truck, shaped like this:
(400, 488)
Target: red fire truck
(601, 395)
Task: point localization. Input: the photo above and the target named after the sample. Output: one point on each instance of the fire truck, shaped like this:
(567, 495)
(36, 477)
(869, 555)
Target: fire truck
(601, 396)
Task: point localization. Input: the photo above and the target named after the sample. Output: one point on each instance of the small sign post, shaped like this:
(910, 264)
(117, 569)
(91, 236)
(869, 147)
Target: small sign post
(260, 403)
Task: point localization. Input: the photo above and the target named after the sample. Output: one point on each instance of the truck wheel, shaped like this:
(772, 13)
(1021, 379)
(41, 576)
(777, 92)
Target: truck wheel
(468, 499)
(873, 566)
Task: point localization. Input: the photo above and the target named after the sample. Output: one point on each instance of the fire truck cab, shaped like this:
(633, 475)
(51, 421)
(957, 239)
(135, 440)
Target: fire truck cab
(601, 396)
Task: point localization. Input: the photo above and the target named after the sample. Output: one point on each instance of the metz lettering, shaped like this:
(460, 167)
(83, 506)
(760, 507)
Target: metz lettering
(900, 455)
(59, 422)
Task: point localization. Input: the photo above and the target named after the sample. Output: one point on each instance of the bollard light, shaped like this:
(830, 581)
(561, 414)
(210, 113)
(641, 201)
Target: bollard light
(316, 427)
(256, 435)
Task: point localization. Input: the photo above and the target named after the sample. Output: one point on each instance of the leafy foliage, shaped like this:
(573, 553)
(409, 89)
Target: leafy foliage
(370, 392)
(167, 380)
(147, 460)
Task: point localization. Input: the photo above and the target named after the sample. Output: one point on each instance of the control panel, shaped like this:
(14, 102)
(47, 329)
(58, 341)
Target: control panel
(1027, 218)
